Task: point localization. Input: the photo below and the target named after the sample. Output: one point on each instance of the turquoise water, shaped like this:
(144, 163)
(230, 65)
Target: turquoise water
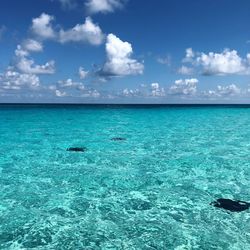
(151, 191)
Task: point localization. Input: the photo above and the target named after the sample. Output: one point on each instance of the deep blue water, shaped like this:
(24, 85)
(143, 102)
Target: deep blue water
(150, 191)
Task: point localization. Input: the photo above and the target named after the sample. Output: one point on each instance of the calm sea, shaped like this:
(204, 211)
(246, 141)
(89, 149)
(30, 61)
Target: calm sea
(151, 190)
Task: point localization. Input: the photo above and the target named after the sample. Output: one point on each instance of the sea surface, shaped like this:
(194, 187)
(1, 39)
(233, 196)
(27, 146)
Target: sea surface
(150, 191)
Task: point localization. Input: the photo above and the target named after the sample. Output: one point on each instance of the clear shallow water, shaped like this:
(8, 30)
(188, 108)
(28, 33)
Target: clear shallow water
(151, 191)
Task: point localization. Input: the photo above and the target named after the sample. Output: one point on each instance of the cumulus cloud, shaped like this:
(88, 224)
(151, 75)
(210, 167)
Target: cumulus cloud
(87, 93)
(28, 66)
(156, 90)
(228, 90)
(92, 93)
(32, 45)
(82, 73)
(223, 91)
(103, 6)
(86, 32)
(20, 52)
(119, 61)
(71, 88)
(60, 93)
(145, 90)
(190, 54)
(227, 62)
(13, 80)
(42, 26)
(184, 87)
(69, 83)
(130, 92)
(24, 72)
(224, 63)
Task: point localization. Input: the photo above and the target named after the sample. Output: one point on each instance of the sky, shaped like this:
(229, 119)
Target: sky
(125, 51)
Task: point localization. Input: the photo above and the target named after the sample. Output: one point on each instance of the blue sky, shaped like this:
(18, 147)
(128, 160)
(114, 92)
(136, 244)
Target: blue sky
(125, 51)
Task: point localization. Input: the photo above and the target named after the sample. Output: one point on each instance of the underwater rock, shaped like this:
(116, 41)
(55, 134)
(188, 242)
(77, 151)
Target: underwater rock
(77, 149)
(233, 206)
(118, 139)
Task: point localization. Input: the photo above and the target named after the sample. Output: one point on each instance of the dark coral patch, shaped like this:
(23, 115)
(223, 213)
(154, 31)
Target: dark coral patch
(118, 139)
(76, 149)
(230, 205)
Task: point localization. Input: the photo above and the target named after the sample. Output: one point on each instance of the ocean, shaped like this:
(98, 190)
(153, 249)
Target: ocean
(145, 179)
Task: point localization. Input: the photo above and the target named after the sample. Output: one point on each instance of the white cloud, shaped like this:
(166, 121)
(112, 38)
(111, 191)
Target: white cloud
(210, 93)
(42, 27)
(13, 80)
(70, 88)
(144, 90)
(20, 52)
(228, 90)
(69, 83)
(82, 73)
(127, 92)
(155, 85)
(52, 87)
(32, 45)
(190, 54)
(156, 90)
(28, 66)
(119, 61)
(94, 93)
(130, 92)
(223, 91)
(103, 6)
(184, 70)
(87, 32)
(184, 87)
(248, 58)
(227, 62)
(59, 93)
